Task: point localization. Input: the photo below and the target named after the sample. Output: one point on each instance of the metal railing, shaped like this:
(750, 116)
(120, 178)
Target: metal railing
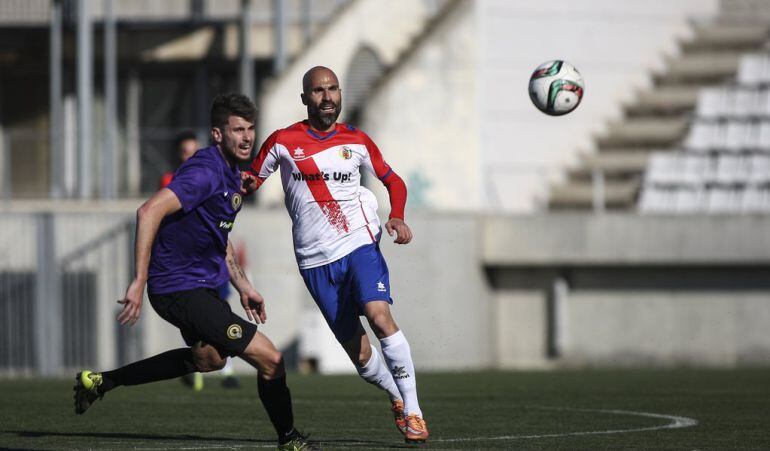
(57, 275)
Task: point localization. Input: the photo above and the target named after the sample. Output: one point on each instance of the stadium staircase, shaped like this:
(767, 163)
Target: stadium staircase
(699, 139)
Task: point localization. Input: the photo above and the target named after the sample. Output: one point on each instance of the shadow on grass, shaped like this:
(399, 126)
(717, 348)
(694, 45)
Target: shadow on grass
(326, 441)
(130, 436)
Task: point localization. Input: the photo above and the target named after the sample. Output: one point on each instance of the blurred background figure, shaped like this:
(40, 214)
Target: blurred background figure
(185, 146)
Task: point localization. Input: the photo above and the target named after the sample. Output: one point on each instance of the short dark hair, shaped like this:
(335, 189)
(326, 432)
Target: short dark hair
(184, 136)
(231, 104)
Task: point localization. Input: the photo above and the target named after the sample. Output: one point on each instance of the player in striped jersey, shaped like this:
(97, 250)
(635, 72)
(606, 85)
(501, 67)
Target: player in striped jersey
(336, 235)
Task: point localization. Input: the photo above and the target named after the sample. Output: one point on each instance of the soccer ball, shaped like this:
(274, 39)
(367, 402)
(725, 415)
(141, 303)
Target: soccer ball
(556, 87)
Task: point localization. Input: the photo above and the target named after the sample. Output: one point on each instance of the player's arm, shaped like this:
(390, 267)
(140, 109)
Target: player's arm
(264, 164)
(148, 219)
(253, 302)
(396, 192)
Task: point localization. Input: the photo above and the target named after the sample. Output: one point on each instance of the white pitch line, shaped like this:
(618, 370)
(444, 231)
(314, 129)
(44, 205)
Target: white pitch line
(676, 423)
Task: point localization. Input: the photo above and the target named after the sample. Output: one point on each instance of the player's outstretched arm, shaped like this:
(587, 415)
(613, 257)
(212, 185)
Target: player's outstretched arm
(399, 227)
(253, 302)
(148, 218)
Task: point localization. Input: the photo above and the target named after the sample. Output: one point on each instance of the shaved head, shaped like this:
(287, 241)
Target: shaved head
(322, 96)
(316, 73)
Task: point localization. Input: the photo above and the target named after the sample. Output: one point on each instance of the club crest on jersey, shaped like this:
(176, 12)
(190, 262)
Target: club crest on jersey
(346, 153)
(236, 201)
(299, 152)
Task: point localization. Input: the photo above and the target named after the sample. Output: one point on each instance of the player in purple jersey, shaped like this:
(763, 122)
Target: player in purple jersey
(182, 254)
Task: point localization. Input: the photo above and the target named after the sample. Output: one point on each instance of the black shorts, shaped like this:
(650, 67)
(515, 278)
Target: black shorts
(201, 315)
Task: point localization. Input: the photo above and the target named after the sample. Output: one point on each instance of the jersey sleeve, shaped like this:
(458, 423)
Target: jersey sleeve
(382, 170)
(194, 182)
(267, 159)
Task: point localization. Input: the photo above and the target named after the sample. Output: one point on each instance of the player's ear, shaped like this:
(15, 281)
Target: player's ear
(304, 98)
(216, 135)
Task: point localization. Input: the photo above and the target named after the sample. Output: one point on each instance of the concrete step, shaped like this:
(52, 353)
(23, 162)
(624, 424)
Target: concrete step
(746, 11)
(613, 165)
(579, 195)
(673, 100)
(701, 67)
(733, 35)
(645, 132)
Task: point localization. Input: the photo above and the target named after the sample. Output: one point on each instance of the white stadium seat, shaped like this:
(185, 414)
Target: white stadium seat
(689, 200)
(703, 136)
(760, 169)
(723, 200)
(763, 137)
(733, 170)
(756, 200)
(713, 102)
(738, 135)
(754, 69)
(663, 169)
(746, 103)
(657, 200)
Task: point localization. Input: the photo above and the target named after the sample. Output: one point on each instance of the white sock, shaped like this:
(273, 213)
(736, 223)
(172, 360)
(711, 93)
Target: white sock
(398, 356)
(228, 369)
(375, 372)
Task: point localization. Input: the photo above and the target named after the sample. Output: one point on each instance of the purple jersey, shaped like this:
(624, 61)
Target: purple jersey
(189, 250)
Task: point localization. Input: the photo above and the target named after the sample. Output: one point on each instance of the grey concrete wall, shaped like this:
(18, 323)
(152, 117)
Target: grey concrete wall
(475, 291)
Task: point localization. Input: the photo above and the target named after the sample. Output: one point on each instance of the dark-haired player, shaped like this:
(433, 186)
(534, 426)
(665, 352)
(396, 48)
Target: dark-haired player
(183, 254)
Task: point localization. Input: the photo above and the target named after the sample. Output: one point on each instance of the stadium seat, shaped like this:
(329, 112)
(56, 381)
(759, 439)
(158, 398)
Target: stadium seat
(723, 200)
(663, 169)
(763, 136)
(714, 102)
(754, 69)
(657, 200)
(762, 103)
(689, 200)
(746, 103)
(759, 169)
(732, 169)
(756, 200)
(738, 135)
(704, 136)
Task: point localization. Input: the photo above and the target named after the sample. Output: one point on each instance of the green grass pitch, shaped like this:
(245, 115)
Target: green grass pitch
(596, 409)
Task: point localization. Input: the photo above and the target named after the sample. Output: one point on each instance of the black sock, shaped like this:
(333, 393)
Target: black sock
(276, 398)
(170, 364)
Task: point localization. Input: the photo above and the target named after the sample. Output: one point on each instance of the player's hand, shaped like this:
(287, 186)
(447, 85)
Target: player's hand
(248, 183)
(254, 304)
(132, 303)
(402, 231)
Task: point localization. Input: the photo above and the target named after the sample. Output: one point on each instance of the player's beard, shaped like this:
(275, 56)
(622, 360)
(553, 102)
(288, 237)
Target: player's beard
(231, 150)
(324, 118)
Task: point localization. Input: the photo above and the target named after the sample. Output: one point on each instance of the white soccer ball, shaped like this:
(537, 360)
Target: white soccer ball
(556, 87)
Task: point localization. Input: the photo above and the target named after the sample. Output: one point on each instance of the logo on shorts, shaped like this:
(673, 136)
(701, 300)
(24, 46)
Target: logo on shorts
(381, 286)
(346, 153)
(399, 372)
(234, 331)
(236, 201)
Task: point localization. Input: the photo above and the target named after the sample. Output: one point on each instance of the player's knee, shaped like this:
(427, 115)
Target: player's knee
(382, 324)
(272, 365)
(208, 361)
(206, 365)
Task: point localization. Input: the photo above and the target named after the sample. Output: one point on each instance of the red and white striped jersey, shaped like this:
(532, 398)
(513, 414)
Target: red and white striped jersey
(331, 213)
